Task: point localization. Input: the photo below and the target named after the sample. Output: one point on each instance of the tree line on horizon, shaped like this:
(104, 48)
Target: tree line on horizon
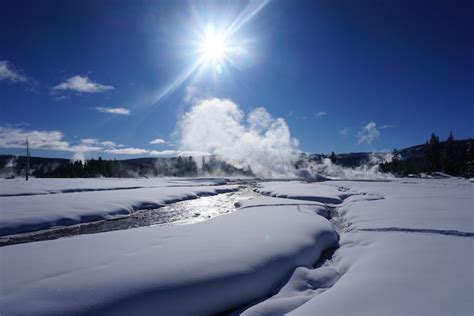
(173, 167)
(116, 169)
(453, 157)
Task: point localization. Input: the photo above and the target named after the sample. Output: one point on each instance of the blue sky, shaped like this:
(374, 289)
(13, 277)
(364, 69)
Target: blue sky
(92, 77)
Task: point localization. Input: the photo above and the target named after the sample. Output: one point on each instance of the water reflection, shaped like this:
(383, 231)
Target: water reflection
(179, 213)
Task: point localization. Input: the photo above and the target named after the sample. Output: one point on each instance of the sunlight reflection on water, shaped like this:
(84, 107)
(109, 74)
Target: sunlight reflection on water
(179, 213)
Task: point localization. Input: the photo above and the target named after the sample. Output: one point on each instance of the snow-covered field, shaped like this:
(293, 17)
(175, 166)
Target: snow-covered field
(406, 248)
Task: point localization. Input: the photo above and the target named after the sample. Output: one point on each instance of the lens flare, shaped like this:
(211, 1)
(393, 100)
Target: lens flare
(213, 46)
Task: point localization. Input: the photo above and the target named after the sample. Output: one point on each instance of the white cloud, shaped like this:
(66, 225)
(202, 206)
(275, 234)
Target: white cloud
(192, 94)
(81, 85)
(127, 151)
(158, 141)
(108, 143)
(163, 153)
(320, 114)
(118, 111)
(368, 133)
(15, 137)
(12, 137)
(8, 72)
(89, 141)
(344, 131)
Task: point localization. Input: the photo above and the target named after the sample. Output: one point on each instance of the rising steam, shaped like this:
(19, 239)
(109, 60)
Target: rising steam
(219, 127)
(256, 140)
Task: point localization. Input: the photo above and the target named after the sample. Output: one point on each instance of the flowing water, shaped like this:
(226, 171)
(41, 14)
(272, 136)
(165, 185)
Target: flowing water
(179, 213)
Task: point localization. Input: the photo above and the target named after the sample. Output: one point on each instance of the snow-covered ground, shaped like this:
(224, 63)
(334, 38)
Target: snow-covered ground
(406, 248)
(195, 269)
(46, 203)
(18, 186)
(303, 191)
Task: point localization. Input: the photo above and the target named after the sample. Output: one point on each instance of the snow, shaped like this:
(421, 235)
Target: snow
(302, 286)
(302, 191)
(399, 274)
(311, 207)
(204, 268)
(406, 248)
(18, 186)
(414, 204)
(21, 214)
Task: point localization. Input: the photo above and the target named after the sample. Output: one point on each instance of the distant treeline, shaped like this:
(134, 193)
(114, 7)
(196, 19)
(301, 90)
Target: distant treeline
(140, 167)
(452, 157)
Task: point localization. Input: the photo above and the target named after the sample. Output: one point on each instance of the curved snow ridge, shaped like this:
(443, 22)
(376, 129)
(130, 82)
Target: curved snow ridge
(303, 285)
(316, 192)
(205, 268)
(307, 283)
(70, 191)
(40, 212)
(265, 201)
(43, 186)
(377, 269)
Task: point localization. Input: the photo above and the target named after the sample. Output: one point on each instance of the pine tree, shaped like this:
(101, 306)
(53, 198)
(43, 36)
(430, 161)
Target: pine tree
(333, 157)
(433, 154)
(450, 160)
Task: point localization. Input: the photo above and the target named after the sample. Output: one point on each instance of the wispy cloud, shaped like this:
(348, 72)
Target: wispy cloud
(344, 131)
(158, 153)
(89, 141)
(292, 115)
(320, 114)
(9, 73)
(81, 85)
(192, 94)
(118, 111)
(158, 141)
(109, 143)
(368, 133)
(127, 151)
(15, 137)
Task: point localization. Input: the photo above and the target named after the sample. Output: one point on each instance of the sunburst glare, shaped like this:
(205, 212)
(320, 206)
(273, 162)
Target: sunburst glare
(213, 46)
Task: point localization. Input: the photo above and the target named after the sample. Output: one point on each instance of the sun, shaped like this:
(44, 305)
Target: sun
(213, 46)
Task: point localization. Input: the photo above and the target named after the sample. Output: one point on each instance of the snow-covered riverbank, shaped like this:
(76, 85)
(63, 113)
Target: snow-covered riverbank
(405, 248)
(203, 268)
(39, 204)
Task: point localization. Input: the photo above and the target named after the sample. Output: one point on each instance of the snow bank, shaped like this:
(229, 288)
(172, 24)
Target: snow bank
(399, 274)
(407, 251)
(18, 186)
(311, 207)
(302, 286)
(413, 204)
(21, 214)
(204, 268)
(303, 191)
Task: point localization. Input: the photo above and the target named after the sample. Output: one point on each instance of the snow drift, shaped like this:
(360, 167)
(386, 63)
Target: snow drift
(198, 269)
